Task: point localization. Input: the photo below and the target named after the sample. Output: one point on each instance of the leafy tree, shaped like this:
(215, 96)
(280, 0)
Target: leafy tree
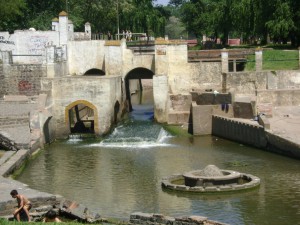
(281, 24)
(10, 14)
(175, 29)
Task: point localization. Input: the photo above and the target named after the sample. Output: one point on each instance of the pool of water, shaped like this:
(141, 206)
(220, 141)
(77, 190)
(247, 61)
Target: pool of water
(122, 174)
(118, 180)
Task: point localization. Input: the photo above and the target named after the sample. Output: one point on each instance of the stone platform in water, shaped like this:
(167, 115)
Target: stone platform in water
(210, 179)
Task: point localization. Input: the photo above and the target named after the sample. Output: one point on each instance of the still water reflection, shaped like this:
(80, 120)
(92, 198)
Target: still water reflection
(116, 178)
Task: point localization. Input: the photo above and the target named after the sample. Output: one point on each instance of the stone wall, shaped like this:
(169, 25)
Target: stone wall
(233, 129)
(22, 79)
(28, 46)
(85, 55)
(99, 93)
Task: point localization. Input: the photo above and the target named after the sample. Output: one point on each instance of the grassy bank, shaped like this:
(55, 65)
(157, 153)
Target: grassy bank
(276, 60)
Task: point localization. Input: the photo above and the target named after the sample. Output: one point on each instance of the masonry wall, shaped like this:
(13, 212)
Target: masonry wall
(232, 129)
(28, 46)
(85, 55)
(100, 92)
(22, 79)
(1, 79)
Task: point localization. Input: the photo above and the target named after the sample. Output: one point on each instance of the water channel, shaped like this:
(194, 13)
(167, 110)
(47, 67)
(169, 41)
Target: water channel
(123, 173)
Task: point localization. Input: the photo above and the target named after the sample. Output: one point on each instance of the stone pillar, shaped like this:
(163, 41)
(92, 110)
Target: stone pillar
(7, 57)
(63, 28)
(70, 30)
(88, 30)
(50, 54)
(258, 59)
(225, 61)
(161, 96)
(55, 24)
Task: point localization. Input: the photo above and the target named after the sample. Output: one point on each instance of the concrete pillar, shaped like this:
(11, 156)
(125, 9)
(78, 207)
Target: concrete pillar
(70, 30)
(161, 96)
(63, 28)
(50, 53)
(7, 57)
(88, 30)
(258, 59)
(225, 61)
(55, 24)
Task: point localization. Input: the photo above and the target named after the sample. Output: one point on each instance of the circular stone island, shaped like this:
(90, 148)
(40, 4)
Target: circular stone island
(210, 179)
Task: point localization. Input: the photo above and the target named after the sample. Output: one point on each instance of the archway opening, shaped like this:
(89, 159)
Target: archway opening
(94, 72)
(135, 81)
(81, 119)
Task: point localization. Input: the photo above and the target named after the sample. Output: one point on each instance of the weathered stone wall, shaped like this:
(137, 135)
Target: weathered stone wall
(1, 78)
(233, 129)
(22, 79)
(246, 83)
(100, 93)
(202, 117)
(132, 61)
(205, 75)
(85, 55)
(28, 46)
(282, 97)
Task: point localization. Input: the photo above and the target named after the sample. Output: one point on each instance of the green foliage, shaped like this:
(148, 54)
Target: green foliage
(104, 16)
(175, 29)
(10, 13)
(251, 19)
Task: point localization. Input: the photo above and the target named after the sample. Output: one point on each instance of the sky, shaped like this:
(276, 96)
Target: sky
(162, 2)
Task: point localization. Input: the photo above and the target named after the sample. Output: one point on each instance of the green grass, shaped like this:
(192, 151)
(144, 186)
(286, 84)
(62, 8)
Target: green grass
(276, 60)
(177, 130)
(108, 222)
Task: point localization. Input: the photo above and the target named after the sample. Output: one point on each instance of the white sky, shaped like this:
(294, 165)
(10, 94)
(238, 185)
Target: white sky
(162, 2)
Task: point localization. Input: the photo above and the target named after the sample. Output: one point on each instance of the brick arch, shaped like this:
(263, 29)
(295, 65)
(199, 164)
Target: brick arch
(90, 105)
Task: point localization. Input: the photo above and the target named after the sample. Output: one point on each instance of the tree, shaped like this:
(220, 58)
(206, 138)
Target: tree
(281, 24)
(10, 13)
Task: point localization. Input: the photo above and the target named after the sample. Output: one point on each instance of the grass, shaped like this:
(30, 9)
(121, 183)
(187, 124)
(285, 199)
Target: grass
(109, 222)
(274, 59)
(177, 130)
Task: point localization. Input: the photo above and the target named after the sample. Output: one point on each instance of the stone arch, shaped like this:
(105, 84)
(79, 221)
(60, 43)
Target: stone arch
(94, 72)
(88, 104)
(139, 74)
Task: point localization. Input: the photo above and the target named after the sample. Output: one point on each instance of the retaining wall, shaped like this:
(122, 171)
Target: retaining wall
(236, 130)
(22, 79)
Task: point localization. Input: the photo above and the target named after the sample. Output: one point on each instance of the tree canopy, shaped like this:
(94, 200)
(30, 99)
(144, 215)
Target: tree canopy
(249, 19)
(103, 15)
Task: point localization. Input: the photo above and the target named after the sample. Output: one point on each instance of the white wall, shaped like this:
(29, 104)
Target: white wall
(85, 55)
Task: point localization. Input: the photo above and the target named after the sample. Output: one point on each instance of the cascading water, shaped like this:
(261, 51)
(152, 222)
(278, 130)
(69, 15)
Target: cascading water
(138, 131)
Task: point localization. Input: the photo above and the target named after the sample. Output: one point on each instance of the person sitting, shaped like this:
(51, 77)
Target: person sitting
(24, 205)
(51, 216)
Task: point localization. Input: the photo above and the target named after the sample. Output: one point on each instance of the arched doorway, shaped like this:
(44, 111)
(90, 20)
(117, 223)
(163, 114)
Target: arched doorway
(81, 117)
(136, 74)
(94, 72)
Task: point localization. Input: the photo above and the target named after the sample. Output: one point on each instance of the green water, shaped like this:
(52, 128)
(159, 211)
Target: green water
(123, 173)
(116, 181)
